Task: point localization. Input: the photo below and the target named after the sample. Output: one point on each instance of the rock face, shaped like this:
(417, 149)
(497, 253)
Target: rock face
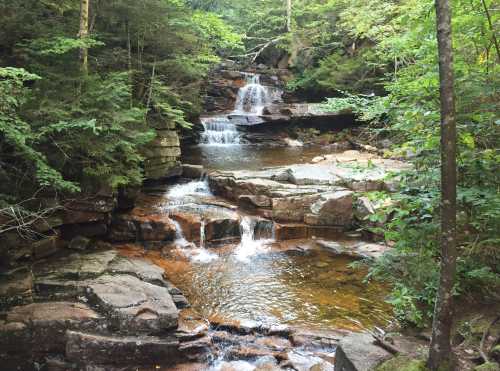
(92, 308)
(318, 194)
(163, 153)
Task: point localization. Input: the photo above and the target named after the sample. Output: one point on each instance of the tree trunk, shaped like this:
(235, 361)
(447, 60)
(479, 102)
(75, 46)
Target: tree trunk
(440, 354)
(84, 33)
(289, 15)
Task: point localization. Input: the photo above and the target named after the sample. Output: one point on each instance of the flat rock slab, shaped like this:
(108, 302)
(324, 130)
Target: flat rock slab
(75, 266)
(139, 268)
(357, 352)
(84, 349)
(133, 305)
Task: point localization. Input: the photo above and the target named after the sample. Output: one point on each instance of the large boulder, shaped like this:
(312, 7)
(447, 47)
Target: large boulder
(150, 228)
(357, 352)
(335, 209)
(132, 305)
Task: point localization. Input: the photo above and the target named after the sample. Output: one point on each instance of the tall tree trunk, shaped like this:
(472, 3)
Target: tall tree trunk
(84, 33)
(289, 15)
(440, 355)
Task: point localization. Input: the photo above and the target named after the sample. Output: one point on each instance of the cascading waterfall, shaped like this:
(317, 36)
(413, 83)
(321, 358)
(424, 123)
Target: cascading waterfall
(253, 97)
(255, 237)
(219, 130)
(251, 101)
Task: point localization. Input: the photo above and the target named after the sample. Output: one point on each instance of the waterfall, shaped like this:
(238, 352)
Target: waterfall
(251, 101)
(219, 130)
(255, 237)
(253, 97)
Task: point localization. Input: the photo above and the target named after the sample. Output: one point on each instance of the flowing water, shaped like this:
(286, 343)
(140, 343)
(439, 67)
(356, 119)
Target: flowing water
(256, 278)
(252, 99)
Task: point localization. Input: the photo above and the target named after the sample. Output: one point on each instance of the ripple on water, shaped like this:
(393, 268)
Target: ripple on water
(274, 287)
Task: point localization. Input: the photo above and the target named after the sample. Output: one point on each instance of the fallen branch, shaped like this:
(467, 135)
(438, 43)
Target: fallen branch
(482, 352)
(257, 50)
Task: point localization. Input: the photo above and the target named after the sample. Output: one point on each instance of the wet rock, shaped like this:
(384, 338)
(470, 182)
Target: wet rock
(286, 232)
(193, 171)
(220, 229)
(132, 228)
(196, 349)
(133, 306)
(84, 349)
(356, 352)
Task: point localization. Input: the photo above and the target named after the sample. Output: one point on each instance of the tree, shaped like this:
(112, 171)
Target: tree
(84, 33)
(440, 355)
(289, 15)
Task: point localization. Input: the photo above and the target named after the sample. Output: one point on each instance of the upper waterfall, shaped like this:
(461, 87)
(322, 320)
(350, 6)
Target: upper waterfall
(251, 100)
(253, 97)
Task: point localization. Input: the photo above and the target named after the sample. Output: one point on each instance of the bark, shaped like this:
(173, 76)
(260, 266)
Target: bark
(440, 354)
(84, 33)
(289, 15)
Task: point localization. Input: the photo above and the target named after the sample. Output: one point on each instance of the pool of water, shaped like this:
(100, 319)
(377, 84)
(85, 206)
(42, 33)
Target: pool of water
(248, 157)
(312, 288)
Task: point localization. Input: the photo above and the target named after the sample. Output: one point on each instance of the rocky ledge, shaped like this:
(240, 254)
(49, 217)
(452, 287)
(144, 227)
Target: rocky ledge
(94, 308)
(319, 194)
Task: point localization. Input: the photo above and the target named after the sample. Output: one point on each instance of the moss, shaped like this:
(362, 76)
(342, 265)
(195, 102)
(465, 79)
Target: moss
(488, 366)
(402, 363)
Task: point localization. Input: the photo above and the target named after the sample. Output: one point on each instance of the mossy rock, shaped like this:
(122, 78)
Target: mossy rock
(488, 366)
(402, 363)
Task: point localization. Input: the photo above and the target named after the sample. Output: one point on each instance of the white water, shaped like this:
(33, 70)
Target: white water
(219, 130)
(251, 101)
(253, 97)
(177, 194)
(250, 245)
(189, 249)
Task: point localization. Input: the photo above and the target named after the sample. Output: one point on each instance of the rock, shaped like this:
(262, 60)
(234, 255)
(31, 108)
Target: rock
(16, 287)
(220, 229)
(46, 247)
(356, 352)
(193, 171)
(162, 155)
(286, 232)
(363, 208)
(151, 228)
(133, 306)
(317, 159)
(47, 323)
(139, 268)
(84, 349)
(74, 266)
(292, 209)
(251, 201)
(304, 361)
(334, 209)
(79, 243)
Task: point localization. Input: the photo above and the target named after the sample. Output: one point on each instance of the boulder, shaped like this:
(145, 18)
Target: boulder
(84, 349)
(16, 287)
(193, 171)
(133, 306)
(131, 228)
(334, 209)
(357, 352)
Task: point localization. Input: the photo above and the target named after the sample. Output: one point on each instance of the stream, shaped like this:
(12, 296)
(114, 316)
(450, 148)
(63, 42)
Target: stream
(257, 279)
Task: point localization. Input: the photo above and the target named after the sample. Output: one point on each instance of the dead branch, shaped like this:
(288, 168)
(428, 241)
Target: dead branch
(482, 352)
(257, 50)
